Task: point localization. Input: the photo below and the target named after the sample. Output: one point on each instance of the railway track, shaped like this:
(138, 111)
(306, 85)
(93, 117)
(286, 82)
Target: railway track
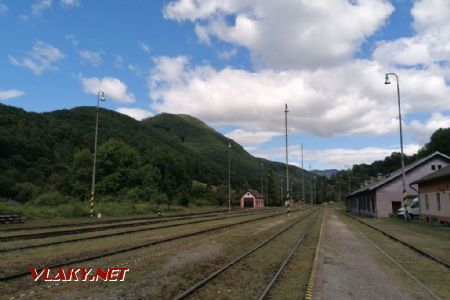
(71, 262)
(410, 273)
(83, 224)
(197, 286)
(34, 246)
(410, 246)
(39, 235)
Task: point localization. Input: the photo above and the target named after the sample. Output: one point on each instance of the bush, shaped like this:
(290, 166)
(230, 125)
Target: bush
(50, 198)
(25, 191)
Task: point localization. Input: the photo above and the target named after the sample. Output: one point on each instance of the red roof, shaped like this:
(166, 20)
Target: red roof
(256, 194)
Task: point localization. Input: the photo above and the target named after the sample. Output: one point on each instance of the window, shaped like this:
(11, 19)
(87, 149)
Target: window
(433, 167)
(438, 200)
(439, 166)
(427, 204)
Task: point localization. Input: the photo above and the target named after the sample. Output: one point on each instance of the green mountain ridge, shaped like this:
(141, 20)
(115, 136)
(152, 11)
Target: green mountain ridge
(39, 148)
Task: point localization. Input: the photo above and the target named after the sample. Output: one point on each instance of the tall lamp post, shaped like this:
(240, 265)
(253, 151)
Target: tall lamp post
(288, 194)
(262, 179)
(401, 141)
(229, 178)
(100, 97)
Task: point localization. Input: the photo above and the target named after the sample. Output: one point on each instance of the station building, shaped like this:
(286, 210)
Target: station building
(252, 199)
(434, 196)
(383, 196)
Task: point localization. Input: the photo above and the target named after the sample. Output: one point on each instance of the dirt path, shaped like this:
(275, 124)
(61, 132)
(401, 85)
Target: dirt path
(348, 270)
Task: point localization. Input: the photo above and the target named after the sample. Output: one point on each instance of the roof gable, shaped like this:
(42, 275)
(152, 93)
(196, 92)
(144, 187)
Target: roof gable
(398, 173)
(255, 193)
(441, 173)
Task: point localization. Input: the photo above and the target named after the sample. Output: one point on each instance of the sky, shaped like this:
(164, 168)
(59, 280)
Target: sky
(235, 64)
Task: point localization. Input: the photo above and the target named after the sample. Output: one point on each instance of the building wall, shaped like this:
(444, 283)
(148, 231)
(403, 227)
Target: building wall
(392, 191)
(247, 195)
(257, 202)
(362, 204)
(430, 191)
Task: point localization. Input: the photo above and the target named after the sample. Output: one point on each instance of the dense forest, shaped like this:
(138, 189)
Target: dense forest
(349, 180)
(46, 158)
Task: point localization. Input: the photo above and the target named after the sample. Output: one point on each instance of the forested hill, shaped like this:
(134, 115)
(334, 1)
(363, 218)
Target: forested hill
(158, 157)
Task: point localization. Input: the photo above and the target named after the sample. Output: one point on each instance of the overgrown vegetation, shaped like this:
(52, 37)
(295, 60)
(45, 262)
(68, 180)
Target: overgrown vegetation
(46, 160)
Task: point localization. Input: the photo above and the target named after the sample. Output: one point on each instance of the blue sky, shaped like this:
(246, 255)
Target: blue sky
(234, 64)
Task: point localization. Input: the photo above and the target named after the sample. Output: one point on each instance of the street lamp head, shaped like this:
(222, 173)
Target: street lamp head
(387, 79)
(101, 96)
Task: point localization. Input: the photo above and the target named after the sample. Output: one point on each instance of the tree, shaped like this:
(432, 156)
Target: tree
(439, 141)
(118, 167)
(79, 185)
(174, 179)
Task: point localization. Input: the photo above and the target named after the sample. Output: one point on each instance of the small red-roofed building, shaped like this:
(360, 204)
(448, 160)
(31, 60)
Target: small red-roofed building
(252, 199)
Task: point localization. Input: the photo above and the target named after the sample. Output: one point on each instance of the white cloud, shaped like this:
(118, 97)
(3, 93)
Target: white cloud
(92, 57)
(136, 113)
(72, 39)
(144, 47)
(40, 6)
(285, 33)
(431, 43)
(41, 58)
(9, 94)
(168, 69)
(3, 8)
(249, 138)
(227, 54)
(335, 157)
(423, 130)
(113, 88)
(349, 99)
(70, 3)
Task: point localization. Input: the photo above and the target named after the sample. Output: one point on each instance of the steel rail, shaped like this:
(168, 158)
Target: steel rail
(395, 262)
(412, 247)
(219, 271)
(82, 224)
(121, 233)
(132, 248)
(38, 235)
(283, 265)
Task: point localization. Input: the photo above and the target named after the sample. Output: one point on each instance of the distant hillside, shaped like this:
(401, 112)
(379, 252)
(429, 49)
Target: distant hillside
(50, 151)
(327, 173)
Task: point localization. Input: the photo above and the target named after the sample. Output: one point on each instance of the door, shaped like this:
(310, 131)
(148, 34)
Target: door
(396, 205)
(248, 202)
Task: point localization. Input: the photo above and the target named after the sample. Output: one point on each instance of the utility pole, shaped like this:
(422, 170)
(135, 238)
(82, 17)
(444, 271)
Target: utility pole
(348, 172)
(310, 186)
(229, 178)
(303, 180)
(262, 180)
(339, 187)
(100, 97)
(288, 195)
(281, 185)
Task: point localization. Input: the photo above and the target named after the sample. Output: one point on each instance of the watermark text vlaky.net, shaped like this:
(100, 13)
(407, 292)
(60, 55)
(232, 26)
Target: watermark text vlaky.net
(79, 274)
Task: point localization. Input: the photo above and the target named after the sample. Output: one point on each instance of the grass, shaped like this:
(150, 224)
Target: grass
(166, 268)
(136, 226)
(248, 278)
(21, 260)
(434, 276)
(294, 280)
(434, 239)
(79, 212)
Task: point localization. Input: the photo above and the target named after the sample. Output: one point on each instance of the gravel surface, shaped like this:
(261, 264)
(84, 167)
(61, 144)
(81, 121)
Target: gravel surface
(348, 270)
